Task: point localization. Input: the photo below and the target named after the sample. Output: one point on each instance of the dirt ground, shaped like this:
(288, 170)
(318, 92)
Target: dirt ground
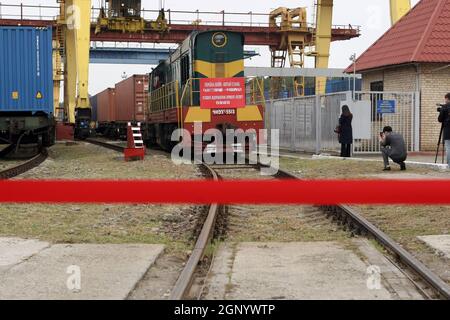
(281, 224)
(157, 224)
(87, 161)
(250, 223)
(403, 223)
(349, 169)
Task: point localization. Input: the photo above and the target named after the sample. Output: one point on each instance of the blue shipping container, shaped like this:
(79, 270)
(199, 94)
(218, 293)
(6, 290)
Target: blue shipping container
(26, 71)
(341, 85)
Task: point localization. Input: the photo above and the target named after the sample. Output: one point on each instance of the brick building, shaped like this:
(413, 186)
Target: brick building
(414, 55)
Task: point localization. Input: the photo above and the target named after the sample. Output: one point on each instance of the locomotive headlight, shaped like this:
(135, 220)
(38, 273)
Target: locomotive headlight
(219, 39)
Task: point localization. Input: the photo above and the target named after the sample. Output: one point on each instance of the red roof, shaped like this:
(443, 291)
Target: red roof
(422, 35)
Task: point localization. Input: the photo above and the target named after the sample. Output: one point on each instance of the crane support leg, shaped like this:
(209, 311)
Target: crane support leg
(70, 79)
(323, 39)
(398, 9)
(56, 78)
(78, 32)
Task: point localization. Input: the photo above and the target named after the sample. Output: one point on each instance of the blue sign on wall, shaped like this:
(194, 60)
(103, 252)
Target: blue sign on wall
(386, 106)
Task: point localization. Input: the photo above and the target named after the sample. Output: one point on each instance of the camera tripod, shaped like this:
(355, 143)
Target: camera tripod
(439, 145)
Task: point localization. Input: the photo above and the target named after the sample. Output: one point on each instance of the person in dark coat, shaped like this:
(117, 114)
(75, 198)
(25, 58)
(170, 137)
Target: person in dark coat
(346, 132)
(444, 118)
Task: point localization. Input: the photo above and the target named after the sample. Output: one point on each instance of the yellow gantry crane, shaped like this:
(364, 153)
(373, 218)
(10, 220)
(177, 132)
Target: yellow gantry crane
(72, 44)
(293, 26)
(295, 40)
(293, 45)
(398, 9)
(71, 63)
(72, 48)
(324, 21)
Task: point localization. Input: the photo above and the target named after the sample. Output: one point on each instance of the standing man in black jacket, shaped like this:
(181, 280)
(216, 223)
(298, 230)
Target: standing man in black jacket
(444, 118)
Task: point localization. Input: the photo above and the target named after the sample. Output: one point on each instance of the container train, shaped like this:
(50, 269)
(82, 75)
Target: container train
(169, 97)
(26, 89)
(126, 102)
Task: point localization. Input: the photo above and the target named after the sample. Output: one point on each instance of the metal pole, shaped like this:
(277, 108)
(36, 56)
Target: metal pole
(318, 124)
(353, 59)
(443, 150)
(417, 121)
(354, 77)
(293, 124)
(439, 145)
(21, 11)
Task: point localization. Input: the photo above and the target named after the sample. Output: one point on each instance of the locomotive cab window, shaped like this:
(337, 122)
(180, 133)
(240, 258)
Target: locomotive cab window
(377, 86)
(185, 74)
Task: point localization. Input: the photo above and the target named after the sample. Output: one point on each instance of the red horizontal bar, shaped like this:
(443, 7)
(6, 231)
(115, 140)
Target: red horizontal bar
(318, 192)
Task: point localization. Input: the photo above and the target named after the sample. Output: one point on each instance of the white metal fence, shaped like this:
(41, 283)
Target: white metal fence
(296, 120)
(307, 124)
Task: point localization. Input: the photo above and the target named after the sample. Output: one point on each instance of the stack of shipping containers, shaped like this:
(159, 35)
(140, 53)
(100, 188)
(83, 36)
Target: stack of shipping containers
(118, 106)
(131, 99)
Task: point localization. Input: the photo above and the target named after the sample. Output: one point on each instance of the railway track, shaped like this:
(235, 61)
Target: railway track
(24, 167)
(106, 145)
(346, 216)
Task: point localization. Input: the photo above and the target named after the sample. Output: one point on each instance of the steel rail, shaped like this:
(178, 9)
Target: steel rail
(106, 145)
(184, 282)
(404, 256)
(24, 167)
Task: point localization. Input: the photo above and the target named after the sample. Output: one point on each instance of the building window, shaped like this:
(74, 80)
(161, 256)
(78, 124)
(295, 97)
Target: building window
(377, 87)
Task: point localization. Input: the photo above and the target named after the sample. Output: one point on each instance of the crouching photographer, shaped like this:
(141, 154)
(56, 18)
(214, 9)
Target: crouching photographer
(444, 118)
(393, 146)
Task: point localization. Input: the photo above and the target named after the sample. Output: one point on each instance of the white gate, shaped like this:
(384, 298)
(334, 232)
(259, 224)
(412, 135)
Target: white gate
(404, 118)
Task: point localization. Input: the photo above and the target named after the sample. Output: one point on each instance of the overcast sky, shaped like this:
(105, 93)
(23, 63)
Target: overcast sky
(372, 16)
